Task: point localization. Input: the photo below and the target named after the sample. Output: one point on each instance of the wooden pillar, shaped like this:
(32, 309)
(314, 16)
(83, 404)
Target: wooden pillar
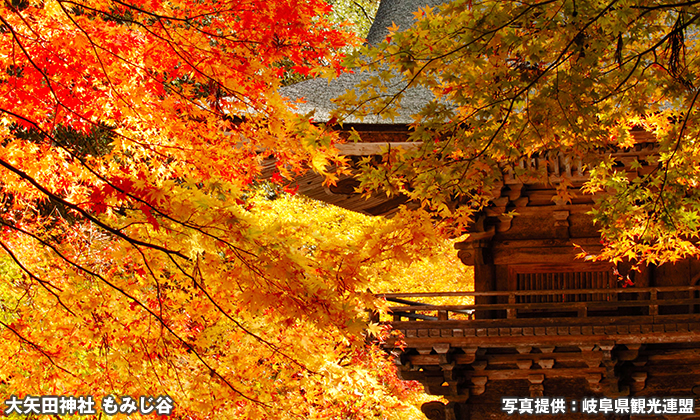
(484, 282)
(476, 252)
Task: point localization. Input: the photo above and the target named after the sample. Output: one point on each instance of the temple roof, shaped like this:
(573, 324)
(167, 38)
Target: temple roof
(318, 93)
(399, 12)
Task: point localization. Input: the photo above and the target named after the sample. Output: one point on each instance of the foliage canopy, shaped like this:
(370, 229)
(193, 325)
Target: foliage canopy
(133, 258)
(514, 81)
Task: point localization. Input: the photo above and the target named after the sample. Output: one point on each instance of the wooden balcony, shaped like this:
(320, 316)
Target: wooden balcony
(611, 340)
(548, 315)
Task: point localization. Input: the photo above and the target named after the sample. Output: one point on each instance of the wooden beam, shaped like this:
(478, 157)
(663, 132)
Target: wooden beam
(369, 149)
(496, 341)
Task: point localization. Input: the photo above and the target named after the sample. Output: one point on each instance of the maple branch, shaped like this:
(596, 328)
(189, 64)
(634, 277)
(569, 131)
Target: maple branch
(561, 107)
(155, 279)
(431, 60)
(238, 251)
(149, 311)
(272, 346)
(181, 340)
(24, 20)
(561, 58)
(246, 330)
(150, 362)
(197, 69)
(666, 6)
(364, 12)
(188, 21)
(29, 58)
(85, 214)
(99, 59)
(651, 49)
(238, 95)
(667, 164)
(160, 319)
(37, 348)
(49, 81)
(43, 283)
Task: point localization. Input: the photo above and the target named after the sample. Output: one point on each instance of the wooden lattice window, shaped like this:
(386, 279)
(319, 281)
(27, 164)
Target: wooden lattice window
(527, 277)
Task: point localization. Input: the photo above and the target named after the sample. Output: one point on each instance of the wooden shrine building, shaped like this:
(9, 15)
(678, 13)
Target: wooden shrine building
(541, 323)
(544, 323)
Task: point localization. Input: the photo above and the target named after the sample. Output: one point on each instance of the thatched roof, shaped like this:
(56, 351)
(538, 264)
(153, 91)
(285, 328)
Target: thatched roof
(399, 12)
(318, 93)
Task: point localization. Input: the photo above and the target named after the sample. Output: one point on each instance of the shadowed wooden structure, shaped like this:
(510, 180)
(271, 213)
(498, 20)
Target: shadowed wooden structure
(543, 323)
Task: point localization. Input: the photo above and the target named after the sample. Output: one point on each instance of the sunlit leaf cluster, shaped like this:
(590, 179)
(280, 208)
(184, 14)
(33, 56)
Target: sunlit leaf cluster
(133, 260)
(513, 81)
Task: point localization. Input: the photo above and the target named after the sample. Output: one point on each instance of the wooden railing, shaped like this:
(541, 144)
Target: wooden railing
(569, 303)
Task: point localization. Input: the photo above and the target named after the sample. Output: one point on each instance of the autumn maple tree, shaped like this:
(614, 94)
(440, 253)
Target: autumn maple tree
(133, 260)
(514, 81)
